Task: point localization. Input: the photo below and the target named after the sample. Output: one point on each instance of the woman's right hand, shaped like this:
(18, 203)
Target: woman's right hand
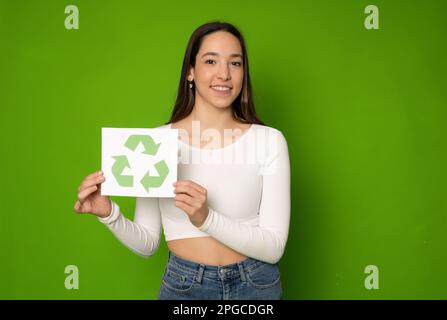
(90, 199)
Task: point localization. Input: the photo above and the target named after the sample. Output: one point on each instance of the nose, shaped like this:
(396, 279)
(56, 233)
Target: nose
(224, 72)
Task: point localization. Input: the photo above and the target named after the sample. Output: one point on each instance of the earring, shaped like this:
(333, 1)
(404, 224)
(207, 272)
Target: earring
(190, 84)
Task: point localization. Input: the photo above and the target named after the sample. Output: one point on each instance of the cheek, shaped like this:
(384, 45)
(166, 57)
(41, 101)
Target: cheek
(238, 78)
(238, 73)
(203, 75)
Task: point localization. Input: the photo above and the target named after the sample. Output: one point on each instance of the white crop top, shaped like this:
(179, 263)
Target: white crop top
(248, 189)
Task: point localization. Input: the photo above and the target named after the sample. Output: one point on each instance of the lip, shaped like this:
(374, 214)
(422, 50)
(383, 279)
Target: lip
(222, 92)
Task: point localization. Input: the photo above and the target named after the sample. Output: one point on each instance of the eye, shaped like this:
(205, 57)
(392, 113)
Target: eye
(208, 61)
(236, 63)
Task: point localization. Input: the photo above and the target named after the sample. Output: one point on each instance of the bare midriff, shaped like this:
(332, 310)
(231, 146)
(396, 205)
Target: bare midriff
(206, 250)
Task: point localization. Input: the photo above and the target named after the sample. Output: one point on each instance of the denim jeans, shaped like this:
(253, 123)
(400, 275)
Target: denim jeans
(249, 279)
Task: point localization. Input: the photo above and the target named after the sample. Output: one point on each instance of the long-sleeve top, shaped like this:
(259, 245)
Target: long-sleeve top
(248, 190)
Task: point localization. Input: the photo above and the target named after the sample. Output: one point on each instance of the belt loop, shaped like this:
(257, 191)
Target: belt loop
(241, 271)
(200, 273)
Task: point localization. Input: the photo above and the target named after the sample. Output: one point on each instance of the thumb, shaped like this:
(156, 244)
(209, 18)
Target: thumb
(78, 207)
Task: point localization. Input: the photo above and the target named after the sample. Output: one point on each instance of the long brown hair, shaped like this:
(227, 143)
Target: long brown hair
(243, 106)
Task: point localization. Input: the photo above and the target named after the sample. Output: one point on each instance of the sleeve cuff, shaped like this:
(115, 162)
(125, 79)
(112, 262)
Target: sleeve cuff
(208, 221)
(114, 214)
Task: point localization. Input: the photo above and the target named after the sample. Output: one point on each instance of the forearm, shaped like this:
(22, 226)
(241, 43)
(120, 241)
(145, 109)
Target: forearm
(143, 240)
(257, 242)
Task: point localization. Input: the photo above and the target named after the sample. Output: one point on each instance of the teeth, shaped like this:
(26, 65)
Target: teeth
(221, 88)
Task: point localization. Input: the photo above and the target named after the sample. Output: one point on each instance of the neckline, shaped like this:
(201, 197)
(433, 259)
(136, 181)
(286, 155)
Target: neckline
(247, 131)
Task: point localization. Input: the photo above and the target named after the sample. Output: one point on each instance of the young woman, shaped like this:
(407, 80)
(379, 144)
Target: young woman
(227, 227)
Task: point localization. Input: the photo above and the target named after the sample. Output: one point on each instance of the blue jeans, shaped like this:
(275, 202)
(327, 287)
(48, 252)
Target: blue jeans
(249, 279)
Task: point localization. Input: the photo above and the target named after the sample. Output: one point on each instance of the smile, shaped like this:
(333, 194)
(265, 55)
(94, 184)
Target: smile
(221, 89)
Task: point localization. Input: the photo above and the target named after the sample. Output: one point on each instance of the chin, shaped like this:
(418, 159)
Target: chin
(222, 105)
(218, 102)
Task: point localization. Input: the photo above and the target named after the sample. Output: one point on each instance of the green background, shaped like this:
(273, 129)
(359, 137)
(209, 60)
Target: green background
(363, 112)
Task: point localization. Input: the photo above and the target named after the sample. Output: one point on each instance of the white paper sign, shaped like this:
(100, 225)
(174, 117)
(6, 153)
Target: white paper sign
(139, 162)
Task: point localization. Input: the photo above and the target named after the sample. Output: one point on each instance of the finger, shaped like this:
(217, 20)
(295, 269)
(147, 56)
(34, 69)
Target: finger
(85, 193)
(188, 190)
(89, 177)
(90, 182)
(196, 197)
(186, 199)
(93, 175)
(77, 206)
(191, 184)
(185, 207)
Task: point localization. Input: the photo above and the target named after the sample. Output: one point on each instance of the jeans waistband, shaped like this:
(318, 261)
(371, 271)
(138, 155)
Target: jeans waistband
(214, 272)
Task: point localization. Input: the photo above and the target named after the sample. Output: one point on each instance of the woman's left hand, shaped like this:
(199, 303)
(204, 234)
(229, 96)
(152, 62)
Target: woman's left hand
(192, 198)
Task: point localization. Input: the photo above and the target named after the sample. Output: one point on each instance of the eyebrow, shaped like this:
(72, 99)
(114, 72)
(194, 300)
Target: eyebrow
(216, 54)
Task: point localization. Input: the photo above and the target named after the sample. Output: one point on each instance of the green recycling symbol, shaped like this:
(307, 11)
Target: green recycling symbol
(150, 148)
